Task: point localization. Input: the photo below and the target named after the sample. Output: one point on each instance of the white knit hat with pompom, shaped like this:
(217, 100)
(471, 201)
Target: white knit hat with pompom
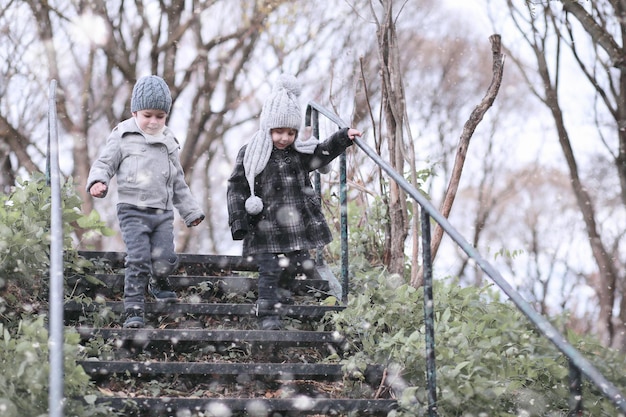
(281, 109)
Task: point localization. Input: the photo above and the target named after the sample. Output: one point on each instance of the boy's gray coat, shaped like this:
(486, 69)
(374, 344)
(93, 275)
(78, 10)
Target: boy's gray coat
(292, 217)
(148, 171)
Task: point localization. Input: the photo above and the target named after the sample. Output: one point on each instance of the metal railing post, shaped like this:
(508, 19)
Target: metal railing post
(575, 391)
(55, 338)
(343, 204)
(429, 316)
(317, 182)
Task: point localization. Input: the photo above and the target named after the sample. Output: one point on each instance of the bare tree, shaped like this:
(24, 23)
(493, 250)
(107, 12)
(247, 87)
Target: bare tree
(436, 70)
(548, 32)
(393, 115)
(527, 243)
(215, 56)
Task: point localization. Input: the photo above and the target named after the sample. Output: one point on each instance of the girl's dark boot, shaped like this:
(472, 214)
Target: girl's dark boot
(268, 315)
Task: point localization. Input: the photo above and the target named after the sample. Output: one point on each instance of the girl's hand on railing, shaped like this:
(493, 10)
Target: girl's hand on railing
(352, 133)
(307, 132)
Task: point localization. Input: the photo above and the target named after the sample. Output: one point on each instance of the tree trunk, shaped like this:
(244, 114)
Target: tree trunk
(393, 110)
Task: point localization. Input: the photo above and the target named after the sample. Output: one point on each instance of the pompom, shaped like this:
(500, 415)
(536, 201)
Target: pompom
(324, 169)
(254, 205)
(289, 83)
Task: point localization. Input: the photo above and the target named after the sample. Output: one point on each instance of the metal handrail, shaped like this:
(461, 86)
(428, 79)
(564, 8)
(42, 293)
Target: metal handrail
(576, 359)
(55, 337)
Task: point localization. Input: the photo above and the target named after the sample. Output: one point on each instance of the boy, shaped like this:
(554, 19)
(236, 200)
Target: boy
(271, 203)
(143, 152)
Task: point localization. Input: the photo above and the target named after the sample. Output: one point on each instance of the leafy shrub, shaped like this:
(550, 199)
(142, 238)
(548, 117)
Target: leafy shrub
(366, 235)
(24, 381)
(25, 243)
(489, 360)
(24, 276)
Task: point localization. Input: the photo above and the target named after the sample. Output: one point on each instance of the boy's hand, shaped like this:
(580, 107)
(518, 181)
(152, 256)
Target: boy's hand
(352, 133)
(196, 222)
(98, 190)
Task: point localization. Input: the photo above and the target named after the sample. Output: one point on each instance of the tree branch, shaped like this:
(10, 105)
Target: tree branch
(599, 35)
(468, 130)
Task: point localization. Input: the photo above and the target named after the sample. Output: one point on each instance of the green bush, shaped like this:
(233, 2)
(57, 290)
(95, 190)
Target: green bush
(25, 243)
(489, 360)
(366, 235)
(24, 276)
(24, 381)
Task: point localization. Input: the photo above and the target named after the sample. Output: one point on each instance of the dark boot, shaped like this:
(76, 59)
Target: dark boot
(161, 290)
(285, 296)
(268, 315)
(284, 292)
(133, 318)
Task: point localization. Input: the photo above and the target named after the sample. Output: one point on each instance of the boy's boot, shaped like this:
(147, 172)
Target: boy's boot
(268, 316)
(161, 289)
(159, 285)
(133, 318)
(134, 299)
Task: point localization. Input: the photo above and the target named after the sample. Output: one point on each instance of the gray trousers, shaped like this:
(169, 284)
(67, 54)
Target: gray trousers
(149, 237)
(279, 270)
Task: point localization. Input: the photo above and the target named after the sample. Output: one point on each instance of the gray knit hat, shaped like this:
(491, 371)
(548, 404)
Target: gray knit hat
(151, 93)
(281, 109)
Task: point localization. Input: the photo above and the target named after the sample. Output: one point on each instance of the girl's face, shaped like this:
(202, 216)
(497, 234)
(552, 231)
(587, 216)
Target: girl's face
(151, 121)
(282, 137)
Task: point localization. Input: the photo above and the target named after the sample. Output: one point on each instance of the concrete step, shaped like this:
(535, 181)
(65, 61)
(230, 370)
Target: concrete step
(111, 284)
(73, 309)
(283, 371)
(277, 337)
(301, 405)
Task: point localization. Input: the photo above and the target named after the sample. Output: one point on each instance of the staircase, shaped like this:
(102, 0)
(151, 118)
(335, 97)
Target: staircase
(205, 357)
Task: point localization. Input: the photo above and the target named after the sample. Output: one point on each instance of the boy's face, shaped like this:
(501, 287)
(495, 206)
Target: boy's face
(282, 137)
(151, 121)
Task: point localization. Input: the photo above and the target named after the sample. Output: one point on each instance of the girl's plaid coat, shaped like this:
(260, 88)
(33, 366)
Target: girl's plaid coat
(292, 217)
